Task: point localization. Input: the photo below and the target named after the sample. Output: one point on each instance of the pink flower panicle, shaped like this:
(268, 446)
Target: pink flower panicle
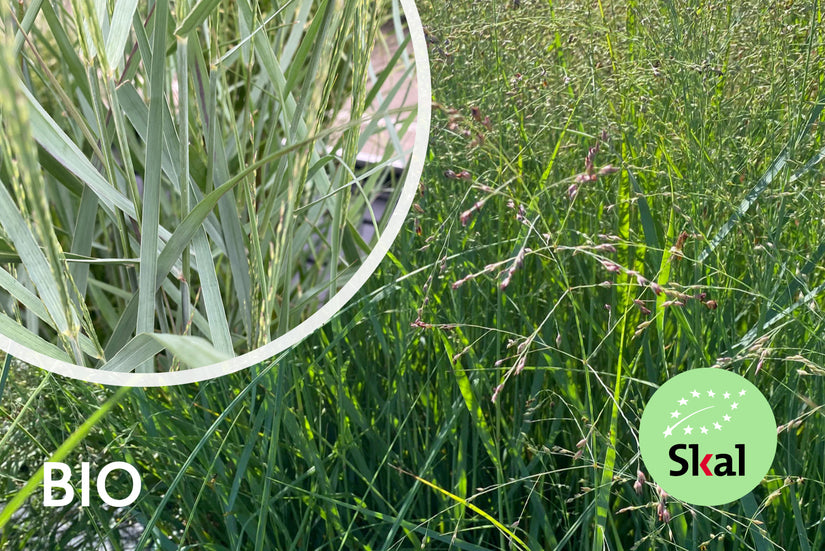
(522, 212)
(462, 281)
(488, 268)
(453, 175)
(519, 367)
(517, 263)
(421, 324)
(590, 174)
(644, 309)
(496, 392)
(468, 214)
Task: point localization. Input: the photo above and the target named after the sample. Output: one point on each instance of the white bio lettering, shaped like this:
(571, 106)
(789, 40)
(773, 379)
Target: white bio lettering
(63, 482)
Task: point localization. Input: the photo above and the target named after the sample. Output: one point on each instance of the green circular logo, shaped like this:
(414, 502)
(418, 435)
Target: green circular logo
(708, 436)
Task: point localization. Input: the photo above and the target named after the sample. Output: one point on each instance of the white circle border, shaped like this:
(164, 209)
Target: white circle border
(328, 310)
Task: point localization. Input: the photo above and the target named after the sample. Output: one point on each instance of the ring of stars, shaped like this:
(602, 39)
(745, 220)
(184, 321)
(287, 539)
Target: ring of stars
(688, 430)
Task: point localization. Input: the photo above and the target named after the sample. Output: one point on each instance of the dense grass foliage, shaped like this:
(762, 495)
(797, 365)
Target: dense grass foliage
(615, 193)
(190, 174)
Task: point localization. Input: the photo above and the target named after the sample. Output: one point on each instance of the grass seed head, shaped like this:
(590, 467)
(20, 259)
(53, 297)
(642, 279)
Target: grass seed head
(496, 393)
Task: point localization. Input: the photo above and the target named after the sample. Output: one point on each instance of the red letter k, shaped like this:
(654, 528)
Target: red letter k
(704, 464)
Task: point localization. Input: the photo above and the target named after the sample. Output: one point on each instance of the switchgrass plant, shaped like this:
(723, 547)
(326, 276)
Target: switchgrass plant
(615, 193)
(184, 177)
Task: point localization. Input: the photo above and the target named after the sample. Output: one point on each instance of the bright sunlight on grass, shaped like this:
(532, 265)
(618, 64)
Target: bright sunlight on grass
(615, 192)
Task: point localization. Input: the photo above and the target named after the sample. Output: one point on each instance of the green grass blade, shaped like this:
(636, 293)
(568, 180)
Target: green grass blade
(49, 135)
(119, 29)
(764, 181)
(513, 538)
(152, 181)
(34, 260)
(196, 17)
(191, 351)
(17, 333)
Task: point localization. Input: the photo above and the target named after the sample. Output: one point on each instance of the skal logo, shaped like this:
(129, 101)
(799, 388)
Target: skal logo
(708, 436)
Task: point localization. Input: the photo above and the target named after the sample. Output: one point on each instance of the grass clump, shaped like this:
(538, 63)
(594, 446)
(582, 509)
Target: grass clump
(615, 193)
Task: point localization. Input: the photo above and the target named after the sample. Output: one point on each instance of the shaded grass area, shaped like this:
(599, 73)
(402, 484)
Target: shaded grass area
(615, 193)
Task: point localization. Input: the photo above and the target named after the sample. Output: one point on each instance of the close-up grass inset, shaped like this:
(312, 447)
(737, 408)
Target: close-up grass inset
(181, 184)
(616, 193)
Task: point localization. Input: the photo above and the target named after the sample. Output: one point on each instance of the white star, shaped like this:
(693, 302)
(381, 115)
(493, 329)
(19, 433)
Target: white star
(668, 432)
(717, 426)
(682, 402)
(742, 392)
(688, 429)
(711, 394)
(726, 395)
(734, 405)
(695, 394)
(726, 417)
(674, 414)
(704, 430)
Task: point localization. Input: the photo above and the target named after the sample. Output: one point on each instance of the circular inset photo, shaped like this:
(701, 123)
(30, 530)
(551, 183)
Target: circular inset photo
(174, 207)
